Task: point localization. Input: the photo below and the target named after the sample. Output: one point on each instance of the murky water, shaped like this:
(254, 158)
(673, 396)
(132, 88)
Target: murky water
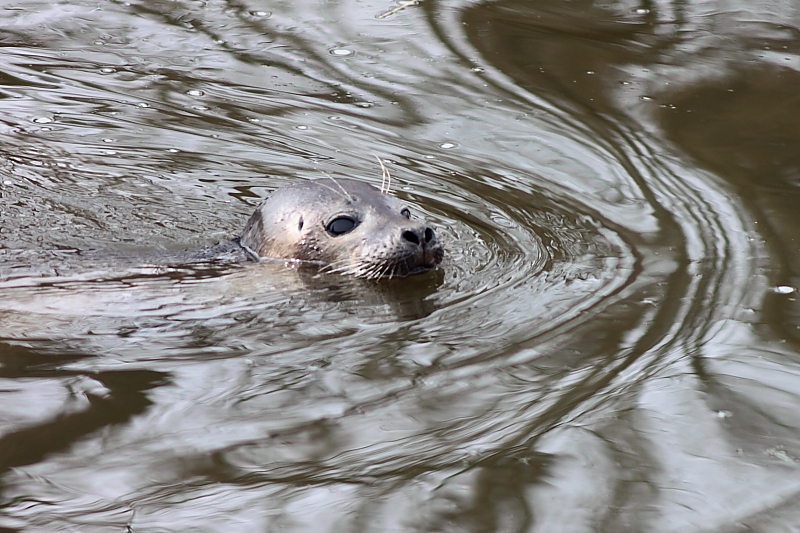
(612, 341)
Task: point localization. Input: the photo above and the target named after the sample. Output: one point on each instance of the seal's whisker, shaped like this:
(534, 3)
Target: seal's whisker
(386, 178)
(381, 271)
(343, 190)
(368, 269)
(378, 270)
(371, 269)
(343, 267)
(374, 271)
(338, 268)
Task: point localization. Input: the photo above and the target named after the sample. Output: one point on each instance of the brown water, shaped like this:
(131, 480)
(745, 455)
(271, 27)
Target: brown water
(612, 343)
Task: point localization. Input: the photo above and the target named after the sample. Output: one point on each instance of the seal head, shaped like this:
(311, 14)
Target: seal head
(348, 225)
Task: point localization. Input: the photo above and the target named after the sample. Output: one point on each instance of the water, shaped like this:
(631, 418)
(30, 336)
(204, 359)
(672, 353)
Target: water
(611, 343)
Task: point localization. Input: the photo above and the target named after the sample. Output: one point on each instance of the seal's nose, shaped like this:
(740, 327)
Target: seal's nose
(419, 235)
(411, 236)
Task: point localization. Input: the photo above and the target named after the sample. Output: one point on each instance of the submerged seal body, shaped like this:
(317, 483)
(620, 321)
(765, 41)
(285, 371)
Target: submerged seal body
(350, 226)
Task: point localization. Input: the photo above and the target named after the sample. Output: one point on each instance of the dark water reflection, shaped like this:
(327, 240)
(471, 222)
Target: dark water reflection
(611, 344)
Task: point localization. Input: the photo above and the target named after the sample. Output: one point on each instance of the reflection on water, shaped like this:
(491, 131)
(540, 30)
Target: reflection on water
(609, 346)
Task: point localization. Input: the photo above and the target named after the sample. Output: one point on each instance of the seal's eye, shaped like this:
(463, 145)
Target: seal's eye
(341, 225)
(405, 212)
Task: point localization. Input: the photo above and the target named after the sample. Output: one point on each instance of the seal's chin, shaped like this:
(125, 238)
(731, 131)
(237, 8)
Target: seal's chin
(419, 269)
(419, 263)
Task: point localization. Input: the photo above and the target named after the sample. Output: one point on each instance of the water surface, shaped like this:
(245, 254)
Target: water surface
(610, 345)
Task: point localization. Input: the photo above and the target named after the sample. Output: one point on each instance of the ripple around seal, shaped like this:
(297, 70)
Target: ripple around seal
(510, 260)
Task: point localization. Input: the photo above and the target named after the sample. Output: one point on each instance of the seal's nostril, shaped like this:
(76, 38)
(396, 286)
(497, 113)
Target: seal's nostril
(429, 235)
(411, 236)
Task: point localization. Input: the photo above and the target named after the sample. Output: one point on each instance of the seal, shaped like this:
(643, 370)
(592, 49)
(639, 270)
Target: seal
(348, 226)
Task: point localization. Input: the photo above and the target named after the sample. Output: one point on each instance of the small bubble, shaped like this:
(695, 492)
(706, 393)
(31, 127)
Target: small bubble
(42, 120)
(107, 70)
(261, 14)
(195, 92)
(8, 182)
(448, 145)
(334, 117)
(590, 72)
(142, 104)
(109, 140)
(173, 150)
(200, 108)
(645, 98)
(99, 43)
(364, 104)
(783, 289)
(37, 163)
(110, 152)
(477, 69)
(641, 11)
(253, 120)
(342, 52)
